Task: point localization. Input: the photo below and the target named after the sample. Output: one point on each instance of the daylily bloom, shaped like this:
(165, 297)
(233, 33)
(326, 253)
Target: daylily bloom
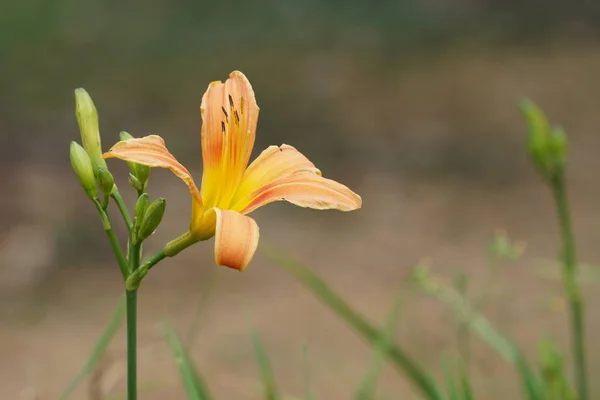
(230, 187)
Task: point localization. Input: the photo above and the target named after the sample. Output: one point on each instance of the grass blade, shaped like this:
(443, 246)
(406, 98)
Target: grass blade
(465, 383)
(105, 339)
(508, 350)
(310, 395)
(194, 384)
(420, 379)
(266, 371)
(450, 384)
(368, 386)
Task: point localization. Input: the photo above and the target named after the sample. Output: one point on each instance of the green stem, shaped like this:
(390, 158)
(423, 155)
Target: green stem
(122, 208)
(132, 345)
(571, 284)
(135, 278)
(135, 253)
(112, 238)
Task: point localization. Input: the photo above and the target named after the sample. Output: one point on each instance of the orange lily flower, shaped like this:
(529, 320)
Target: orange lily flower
(230, 187)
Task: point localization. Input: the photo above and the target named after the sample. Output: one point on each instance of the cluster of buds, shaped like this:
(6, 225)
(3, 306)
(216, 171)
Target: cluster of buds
(96, 179)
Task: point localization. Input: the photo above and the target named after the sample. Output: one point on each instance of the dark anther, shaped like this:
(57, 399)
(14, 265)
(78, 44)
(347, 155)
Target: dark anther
(222, 126)
(231, 101)
(237, 117)
(224, 112)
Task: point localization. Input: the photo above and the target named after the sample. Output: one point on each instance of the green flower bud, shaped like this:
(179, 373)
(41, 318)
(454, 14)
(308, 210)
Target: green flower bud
(152, 218)
(87, 119)
(82, 165)
(106, 181)
(141, 206)
(135, 183)
(141, 172)
(547, 145)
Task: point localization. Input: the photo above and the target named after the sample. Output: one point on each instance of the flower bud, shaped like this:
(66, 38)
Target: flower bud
(87, 119)
(141, 172)
(547, 145)
(80, 161)
(141, 205)
(135, 183)
(106, 181)
(152, 218)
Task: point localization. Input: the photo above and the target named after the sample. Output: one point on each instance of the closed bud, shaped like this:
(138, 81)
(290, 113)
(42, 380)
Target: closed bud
(106, 181)
(87, 119)
(152, 218)
(141, 172)
(135, 183)
(547, 145)
(80, 161)
(140, 208)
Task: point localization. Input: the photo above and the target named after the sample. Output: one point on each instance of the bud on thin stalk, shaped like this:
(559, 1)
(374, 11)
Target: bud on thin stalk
(135, 183)
(82, 165)
(87, 119)
(152, 218)
(106, 181)
(141, 172)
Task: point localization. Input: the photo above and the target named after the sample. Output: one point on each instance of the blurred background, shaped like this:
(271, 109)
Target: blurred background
(411, 103)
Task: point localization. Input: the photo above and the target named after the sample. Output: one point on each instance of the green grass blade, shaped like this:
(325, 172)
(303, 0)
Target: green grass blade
(368, 386)
(266, 371)
(105, 339)
(508, 350)
(310, 395)
(420, 379)
(194, 384)
(449, 376)
(465, 383)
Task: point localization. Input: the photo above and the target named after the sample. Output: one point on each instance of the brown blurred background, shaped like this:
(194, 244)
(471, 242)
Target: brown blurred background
(411, 103)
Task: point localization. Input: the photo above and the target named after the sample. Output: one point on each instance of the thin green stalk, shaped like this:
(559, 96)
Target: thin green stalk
(122, 208)
(132, 344)
(112, 238)
(571, 284)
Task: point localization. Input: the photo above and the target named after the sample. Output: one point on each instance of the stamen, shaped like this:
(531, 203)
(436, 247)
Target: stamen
(222, 127)
(226, 115)
(231, 101)
(242, 105)
(237, 117)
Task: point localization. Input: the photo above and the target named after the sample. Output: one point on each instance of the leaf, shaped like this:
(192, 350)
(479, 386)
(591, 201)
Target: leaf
(450, 384)
(368, 386)
(310, 395)
(508, 350)
(194, 384)
(420, 379)
(101, 346)
(266, 371)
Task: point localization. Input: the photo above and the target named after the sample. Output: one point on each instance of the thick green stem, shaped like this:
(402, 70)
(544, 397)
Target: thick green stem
(132, 345)
(571, 285)
(134, 280)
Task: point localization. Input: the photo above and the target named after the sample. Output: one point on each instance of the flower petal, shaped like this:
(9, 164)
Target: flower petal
(283, 173)
(236, 239)
(304, 189)
(229, 118)
(151, 151)
(275, 162)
